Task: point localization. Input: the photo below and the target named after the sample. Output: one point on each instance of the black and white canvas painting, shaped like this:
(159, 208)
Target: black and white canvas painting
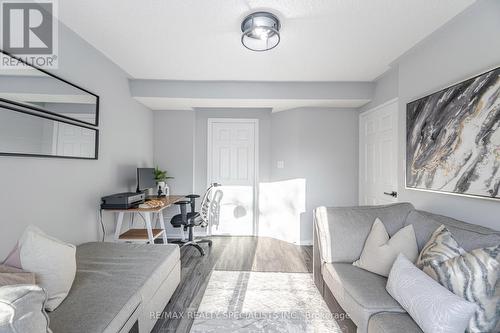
(453, 139)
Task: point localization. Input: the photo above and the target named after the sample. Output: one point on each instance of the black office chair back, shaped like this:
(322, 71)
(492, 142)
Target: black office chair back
(189, 220)
(186, 219)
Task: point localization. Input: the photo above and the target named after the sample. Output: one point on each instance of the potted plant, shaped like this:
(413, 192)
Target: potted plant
(161, 177)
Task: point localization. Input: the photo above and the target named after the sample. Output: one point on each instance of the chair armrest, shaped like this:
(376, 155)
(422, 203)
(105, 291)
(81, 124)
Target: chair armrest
(342, 231)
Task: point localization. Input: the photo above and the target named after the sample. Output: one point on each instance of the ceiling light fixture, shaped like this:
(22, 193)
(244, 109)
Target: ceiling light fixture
(260, 31)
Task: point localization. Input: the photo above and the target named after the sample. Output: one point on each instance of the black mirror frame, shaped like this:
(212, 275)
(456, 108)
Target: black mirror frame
(96, 123)
(96, 144)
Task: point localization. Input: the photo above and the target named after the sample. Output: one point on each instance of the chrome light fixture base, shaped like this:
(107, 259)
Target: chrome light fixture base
(260, 31)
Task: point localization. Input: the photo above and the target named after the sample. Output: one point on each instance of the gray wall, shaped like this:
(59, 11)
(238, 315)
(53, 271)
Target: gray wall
(174, 147)
(174, 151)
(320, 146)
(61, 196)
(317, 145)
(464, 47)
(386, 88)
(43, 84)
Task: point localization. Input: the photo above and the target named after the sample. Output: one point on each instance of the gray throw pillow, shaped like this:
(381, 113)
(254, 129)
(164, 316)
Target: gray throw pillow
(472, 275)
(440, 247)
(22, 309)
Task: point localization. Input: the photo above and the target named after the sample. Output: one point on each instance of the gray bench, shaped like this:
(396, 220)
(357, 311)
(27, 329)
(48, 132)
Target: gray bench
(339, 237)
(117, 285)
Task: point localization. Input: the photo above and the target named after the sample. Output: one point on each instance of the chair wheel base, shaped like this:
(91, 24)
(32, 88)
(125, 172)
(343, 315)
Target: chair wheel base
(194, 244)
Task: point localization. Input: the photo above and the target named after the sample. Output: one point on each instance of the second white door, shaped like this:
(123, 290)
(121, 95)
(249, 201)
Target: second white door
(232, 162)
(378, 148)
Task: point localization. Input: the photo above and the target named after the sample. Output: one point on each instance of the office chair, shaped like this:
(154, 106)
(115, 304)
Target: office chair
(188, 220)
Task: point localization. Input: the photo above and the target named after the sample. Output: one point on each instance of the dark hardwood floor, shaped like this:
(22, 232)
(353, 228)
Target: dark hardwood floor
(258, 254)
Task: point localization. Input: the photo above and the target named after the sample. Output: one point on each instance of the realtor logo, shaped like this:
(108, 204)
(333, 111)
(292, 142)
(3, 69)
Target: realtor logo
(29, 32)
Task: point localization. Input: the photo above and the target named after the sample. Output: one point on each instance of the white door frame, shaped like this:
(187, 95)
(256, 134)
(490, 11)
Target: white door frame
(254, 121)
(361, 141)
(380, 106)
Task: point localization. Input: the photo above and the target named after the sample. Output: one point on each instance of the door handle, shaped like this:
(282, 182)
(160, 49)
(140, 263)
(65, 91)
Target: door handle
(393, 194)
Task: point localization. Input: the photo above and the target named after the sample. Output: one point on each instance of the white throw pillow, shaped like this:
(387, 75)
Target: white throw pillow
(433, 307)
(379, 251)
(52, 261)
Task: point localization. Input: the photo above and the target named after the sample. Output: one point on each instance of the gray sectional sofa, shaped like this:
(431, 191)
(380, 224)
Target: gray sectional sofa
(118, 286)
(339, 237)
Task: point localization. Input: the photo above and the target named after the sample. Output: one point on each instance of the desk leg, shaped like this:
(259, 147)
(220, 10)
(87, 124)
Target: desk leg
(156, 218)
(147, 217)
(119, 221)
(162, 225)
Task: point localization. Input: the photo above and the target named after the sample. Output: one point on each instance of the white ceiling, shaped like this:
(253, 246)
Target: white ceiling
(322, 40)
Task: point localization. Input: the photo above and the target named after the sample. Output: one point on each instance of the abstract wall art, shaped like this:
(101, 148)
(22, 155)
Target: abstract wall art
(453, 139)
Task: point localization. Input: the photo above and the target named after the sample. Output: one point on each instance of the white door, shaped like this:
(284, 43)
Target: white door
(232, 162)
(378, 151)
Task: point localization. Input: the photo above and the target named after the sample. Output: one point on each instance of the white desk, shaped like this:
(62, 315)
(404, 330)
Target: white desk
(150, 215)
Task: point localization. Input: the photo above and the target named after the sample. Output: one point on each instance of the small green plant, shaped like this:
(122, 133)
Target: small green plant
(161, 175)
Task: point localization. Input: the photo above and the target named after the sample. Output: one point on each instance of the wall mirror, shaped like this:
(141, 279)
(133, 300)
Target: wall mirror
(26, 134)
(33, 88)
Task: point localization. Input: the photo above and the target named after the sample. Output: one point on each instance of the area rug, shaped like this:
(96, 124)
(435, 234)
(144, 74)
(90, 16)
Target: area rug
(263, 302)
